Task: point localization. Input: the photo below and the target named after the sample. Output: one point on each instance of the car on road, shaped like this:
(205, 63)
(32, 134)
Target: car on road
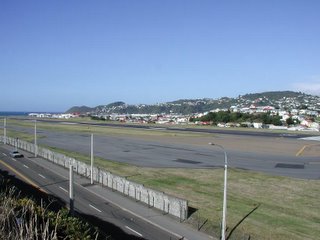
(16, 154)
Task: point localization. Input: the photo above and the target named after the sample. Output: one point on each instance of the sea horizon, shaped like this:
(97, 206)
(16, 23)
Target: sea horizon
(22, 113)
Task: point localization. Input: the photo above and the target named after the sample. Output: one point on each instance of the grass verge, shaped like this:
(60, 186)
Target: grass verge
(281, 207)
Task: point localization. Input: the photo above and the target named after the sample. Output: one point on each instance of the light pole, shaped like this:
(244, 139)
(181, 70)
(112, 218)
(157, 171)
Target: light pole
(71, 194)
(35, 139)
(91, 175)
(5, 131)
(224, 208)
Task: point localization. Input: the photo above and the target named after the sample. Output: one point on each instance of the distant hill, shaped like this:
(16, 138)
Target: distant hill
(276, 95)
(82, 109)
(277, 99)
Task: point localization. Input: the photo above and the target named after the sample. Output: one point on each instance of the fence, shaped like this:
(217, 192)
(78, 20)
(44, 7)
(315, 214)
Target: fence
(167, 204)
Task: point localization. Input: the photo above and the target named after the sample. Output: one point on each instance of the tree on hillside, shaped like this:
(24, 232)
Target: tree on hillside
(290, 121)
(227, 116)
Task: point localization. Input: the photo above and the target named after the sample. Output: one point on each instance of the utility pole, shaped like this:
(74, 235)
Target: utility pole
(224, 210)
(35, 139)
(5, 131)
(91, 158)
(71, 195)
(224, 204)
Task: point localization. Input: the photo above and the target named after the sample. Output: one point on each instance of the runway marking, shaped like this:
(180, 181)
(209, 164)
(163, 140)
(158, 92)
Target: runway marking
(63, 189)
(42, 176)
(314, 162)
(153, 128)
(317, 138)
(139, 234)
(301, 150)
(25, 166)
(95, 208)
(23, 177)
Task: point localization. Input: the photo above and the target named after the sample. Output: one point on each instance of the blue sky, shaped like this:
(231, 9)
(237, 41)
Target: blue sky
(57, 54)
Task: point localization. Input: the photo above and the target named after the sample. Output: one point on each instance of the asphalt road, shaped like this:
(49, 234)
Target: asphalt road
(148, 153)
(97, 202)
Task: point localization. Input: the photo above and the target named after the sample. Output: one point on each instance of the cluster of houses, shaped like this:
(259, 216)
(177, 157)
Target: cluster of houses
(54, 115)
(305, 117)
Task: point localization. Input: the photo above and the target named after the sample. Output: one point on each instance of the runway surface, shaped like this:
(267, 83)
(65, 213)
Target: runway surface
(168, 154)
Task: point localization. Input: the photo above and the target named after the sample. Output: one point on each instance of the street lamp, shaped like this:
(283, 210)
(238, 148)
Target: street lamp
(5, 131)
(91, 175)
(71, 194)
(224, 208)
(35, 139)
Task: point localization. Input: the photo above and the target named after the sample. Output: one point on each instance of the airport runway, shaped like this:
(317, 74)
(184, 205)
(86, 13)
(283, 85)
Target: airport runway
(148, 153)
(188, 129)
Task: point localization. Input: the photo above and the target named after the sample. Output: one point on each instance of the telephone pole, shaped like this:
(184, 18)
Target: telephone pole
(71, 194)
(92, 158)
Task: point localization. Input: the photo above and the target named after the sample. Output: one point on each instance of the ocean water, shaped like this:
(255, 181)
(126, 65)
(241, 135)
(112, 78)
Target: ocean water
(14, 113)
(7, 114)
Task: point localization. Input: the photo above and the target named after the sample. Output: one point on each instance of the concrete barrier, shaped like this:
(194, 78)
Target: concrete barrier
(167, 204)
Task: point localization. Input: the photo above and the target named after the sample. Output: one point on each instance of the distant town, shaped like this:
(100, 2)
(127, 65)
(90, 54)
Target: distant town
(295, 111)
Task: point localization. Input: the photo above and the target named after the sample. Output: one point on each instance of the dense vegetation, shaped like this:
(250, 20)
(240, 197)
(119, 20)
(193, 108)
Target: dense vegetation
(24, 218)
(235, 117)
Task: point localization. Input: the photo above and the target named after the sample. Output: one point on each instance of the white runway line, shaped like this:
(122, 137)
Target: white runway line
(317, 138)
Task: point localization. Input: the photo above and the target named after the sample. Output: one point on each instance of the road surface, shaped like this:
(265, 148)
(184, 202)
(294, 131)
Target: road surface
(130, 219)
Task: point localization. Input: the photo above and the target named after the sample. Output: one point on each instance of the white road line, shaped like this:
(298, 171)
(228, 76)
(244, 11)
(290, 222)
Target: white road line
(13, 159)
(132, 213)
(95, 208)
(41, 176)
(121, 207)
(25, 166)
(63, 189)
(139, 234)
(4, 154)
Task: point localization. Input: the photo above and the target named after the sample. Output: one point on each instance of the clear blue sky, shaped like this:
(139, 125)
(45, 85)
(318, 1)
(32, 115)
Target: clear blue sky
(57, 54)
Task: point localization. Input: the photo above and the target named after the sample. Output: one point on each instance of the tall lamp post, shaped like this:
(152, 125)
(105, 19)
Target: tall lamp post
(5, 131)
(35, 139)
(71, 194)
(91, 175)
(224, 208)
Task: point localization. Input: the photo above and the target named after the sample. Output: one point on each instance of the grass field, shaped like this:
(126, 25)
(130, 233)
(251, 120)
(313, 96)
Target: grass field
(260, 205)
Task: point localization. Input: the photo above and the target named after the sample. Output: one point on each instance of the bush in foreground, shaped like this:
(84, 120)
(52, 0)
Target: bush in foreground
(22, 218)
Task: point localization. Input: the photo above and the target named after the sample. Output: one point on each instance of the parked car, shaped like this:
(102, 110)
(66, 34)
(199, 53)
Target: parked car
(16, 154)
